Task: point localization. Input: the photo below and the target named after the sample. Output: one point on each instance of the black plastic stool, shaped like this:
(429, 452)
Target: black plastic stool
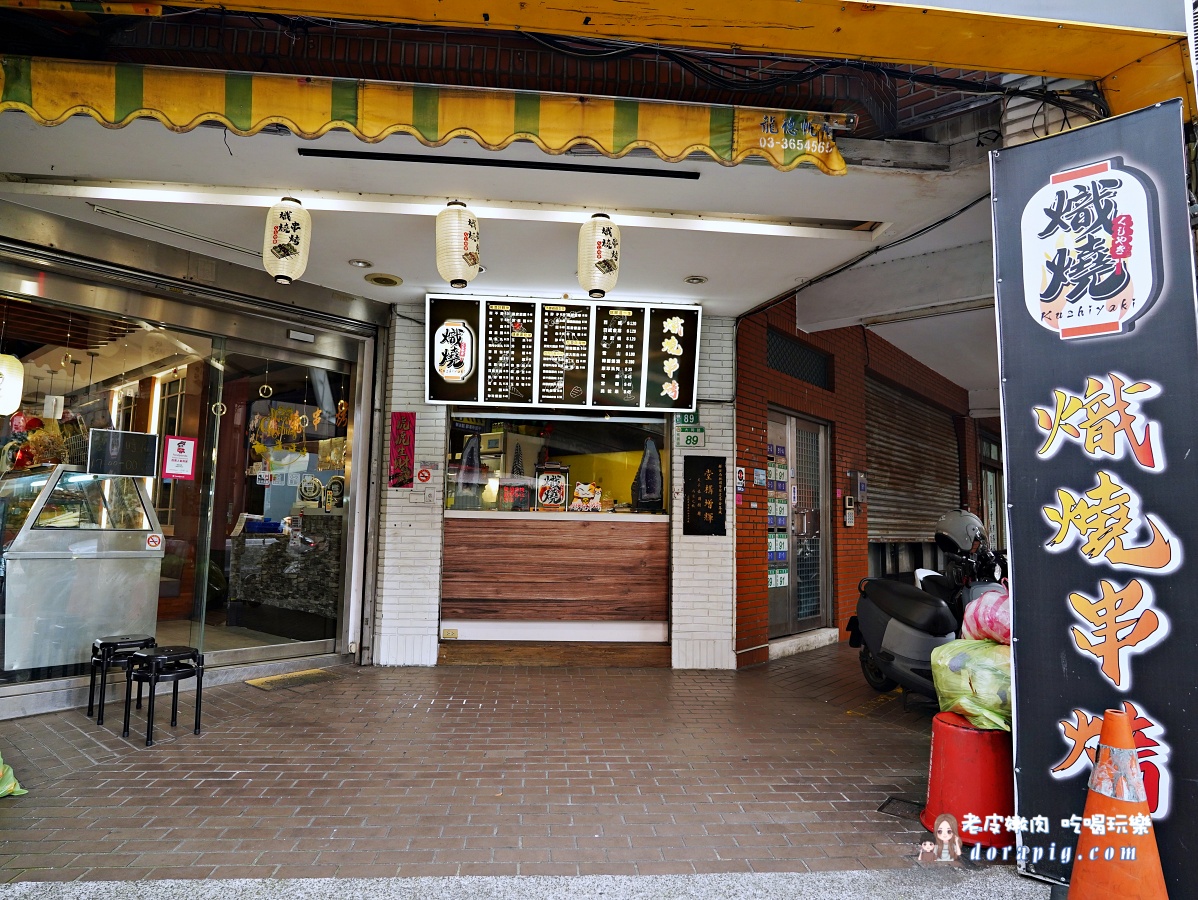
(155, 664)
(113, 652)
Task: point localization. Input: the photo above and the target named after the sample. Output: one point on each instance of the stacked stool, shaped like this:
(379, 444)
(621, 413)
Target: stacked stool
(113, 652)
(156, 664)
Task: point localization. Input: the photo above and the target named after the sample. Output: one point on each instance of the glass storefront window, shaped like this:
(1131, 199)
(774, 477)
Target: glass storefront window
(512, 463)
(279, 539)
(245, 550)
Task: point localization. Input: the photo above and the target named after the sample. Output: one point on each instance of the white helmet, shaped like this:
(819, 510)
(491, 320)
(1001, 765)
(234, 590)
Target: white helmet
(957, 532)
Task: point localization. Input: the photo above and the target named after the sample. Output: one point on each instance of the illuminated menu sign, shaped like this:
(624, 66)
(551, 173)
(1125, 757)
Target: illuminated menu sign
(619, 356)
(508, 352)
(565, 354)
(499, 351)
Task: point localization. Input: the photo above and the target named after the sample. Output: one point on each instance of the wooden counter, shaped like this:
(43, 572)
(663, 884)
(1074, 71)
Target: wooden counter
(556, 567)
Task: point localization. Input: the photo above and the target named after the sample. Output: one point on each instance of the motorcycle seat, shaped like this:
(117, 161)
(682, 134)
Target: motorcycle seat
(911, 606)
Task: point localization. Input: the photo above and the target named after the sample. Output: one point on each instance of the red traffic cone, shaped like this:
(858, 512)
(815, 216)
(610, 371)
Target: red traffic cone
(1117, 854)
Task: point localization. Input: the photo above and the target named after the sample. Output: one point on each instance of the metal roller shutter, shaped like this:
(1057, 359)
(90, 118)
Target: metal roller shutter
(912, 464)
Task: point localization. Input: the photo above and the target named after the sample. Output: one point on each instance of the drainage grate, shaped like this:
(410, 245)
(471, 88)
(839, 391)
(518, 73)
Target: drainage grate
(900, 808)
(292, 679)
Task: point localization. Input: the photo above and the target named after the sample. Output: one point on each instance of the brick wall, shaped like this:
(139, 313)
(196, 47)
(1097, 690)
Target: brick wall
(407, 608)
(971, 465)
(855, 353)
(703, 569)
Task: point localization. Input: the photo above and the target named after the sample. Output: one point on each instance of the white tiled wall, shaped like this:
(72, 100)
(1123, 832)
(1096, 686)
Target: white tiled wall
(409, 582)
(703, 569)
(703, 576)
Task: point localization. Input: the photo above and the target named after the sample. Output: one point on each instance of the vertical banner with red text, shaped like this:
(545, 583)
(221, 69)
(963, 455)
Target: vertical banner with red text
(1098, 338)
(403, 450)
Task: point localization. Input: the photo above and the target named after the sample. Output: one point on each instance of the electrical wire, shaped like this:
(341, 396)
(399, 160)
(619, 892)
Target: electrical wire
(836, 270)
(728, 70)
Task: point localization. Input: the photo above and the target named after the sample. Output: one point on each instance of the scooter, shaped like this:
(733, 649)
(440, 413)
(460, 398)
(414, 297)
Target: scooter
(897, 626)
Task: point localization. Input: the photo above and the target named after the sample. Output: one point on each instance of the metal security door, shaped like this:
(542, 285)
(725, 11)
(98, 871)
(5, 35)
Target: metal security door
(797, 523)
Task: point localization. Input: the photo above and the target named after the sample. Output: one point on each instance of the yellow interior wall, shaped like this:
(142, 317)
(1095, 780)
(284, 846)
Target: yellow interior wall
(613, 472)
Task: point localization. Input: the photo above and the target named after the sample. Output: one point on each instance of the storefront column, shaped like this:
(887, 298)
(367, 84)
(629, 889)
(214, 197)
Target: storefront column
(409, 582)
(703, 569)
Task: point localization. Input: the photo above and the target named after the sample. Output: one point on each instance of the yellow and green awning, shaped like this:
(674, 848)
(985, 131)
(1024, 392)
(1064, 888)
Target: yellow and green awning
(51, 91)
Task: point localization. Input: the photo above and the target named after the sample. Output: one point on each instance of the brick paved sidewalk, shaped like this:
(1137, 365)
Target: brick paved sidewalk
(479, 771)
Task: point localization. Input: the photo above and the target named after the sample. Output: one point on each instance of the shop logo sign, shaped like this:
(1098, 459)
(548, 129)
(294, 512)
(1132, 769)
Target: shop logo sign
(1090, 245)
(454, 346)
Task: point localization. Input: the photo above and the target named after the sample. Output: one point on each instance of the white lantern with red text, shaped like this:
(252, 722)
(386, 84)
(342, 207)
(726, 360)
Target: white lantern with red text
(457, 244)
(285, 244)
(12, 384)
(598, 255)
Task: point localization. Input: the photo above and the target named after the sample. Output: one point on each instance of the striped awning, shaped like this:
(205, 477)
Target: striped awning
(52, 90)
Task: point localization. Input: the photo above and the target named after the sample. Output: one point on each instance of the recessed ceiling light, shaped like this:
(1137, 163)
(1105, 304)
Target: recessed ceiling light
(695, 279)
(361, 263)
(381, 279)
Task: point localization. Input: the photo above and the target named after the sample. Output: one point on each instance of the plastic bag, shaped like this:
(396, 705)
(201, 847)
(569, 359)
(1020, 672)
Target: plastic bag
(988, 618)
(9, 786)
(973, 679)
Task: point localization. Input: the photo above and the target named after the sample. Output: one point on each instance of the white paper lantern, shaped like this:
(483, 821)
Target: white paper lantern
(457, 244)
(285, 244)
(12, 384)
(598, 255)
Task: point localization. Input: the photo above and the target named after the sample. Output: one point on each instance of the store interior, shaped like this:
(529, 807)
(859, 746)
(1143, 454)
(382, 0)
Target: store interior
(514, 462)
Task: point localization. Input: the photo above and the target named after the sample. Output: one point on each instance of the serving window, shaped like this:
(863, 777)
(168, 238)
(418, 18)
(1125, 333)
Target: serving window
(575, 464)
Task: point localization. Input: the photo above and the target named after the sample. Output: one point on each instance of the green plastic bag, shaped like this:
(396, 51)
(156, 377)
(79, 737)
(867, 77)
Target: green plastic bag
(9, 785)
(973, 679)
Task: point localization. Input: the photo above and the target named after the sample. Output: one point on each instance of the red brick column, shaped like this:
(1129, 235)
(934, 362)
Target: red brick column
(843, 408)
(853, 353)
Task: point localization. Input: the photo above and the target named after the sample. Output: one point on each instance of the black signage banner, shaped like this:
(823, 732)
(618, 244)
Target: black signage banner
(499, 351)
(1098, 352)
(703, 509)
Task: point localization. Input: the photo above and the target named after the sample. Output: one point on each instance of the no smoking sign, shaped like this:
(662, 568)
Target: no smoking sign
(423, 476)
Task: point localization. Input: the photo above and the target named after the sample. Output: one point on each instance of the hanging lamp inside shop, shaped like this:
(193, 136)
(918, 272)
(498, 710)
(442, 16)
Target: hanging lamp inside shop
(12, 375)
(285, 244)
(12, 383)
(457, 244)
(598, 255)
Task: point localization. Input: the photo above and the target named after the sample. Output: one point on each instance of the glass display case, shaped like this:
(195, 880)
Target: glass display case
(81, 558)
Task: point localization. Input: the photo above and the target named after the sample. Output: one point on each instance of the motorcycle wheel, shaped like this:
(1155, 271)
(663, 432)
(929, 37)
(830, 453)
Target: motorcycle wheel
(874, 675)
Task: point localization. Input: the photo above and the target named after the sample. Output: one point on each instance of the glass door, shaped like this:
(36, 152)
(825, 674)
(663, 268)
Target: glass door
(798, 518)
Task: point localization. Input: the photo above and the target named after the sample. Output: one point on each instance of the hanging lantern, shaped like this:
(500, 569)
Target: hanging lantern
(285, 245)
(12, 384)
(457, 244)
(598, 255)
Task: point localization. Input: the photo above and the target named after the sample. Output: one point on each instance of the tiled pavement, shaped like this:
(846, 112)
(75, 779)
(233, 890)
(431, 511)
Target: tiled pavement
(479, 771)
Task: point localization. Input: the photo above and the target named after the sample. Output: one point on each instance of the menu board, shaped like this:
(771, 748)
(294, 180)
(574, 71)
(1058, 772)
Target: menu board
(508, 352)
(501, 351)
(619, 356)
(565, 331)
